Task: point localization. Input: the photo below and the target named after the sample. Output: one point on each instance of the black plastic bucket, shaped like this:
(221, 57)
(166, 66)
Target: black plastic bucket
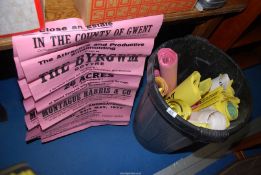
(156, 129)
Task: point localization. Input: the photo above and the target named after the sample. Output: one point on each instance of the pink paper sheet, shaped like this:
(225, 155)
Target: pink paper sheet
(19, 69)
(33, 68)
(50, 82)
(34, 133)
(64, 25)
(63, 109)
(26, 92)
(82, 120)
(59, 25)
(31, 119)
(92, 79)
(30, 46)
(79, 128)
(29, 104)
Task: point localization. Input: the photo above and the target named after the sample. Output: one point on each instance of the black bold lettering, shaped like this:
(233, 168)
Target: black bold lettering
(121, 58)
(38, 42)
(95, 75)
(65, 67)
(54, 72)
(43, 77)
(89, 56)
(110, 57)
(32, 115)
(100, 57)
(44, 113)
(133, 58)
(53, 40)
(79, 60)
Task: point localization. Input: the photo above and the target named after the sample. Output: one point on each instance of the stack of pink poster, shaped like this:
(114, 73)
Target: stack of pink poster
(73, 77)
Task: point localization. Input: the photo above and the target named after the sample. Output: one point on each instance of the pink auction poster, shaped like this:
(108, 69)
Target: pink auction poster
(76, 78)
